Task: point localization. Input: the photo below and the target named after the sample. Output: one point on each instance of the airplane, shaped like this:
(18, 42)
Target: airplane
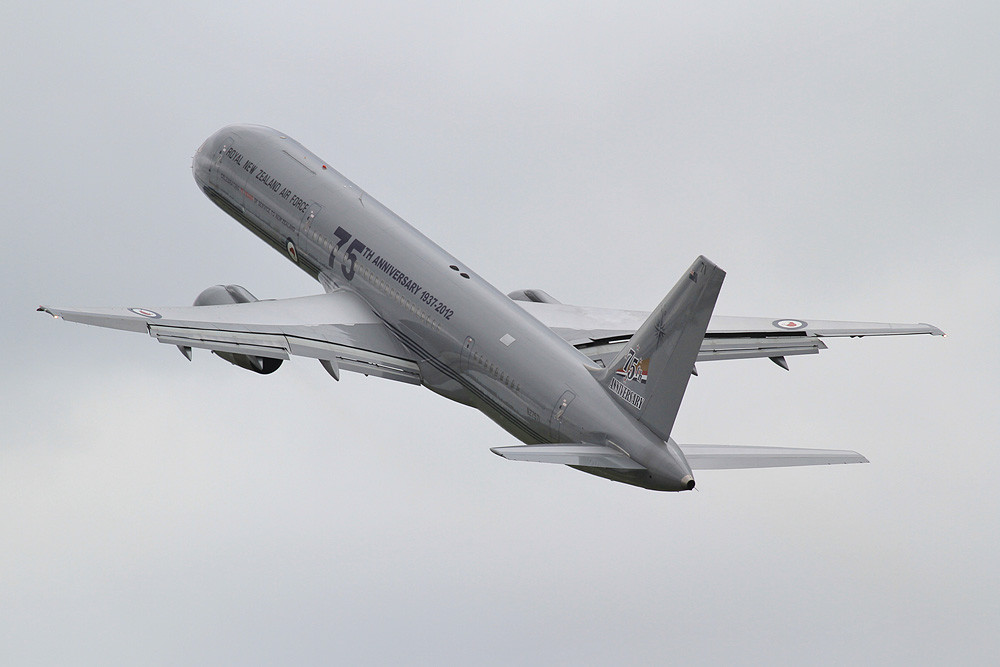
(595, 389)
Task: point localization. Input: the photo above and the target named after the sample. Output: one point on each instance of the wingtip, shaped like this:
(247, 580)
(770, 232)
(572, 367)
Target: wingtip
(858, 457)
(933, 330)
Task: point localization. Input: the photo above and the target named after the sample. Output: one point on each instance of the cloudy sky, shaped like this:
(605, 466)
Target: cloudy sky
(839, 160)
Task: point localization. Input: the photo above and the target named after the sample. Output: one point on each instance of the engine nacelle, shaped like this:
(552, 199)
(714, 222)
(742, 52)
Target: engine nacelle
(220, 295)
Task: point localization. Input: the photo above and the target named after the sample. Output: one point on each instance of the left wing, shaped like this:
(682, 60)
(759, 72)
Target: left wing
(338, 328)
(600, 333)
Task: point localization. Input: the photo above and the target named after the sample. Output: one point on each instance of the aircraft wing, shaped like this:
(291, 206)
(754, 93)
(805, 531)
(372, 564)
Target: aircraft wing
(600, 333)
(338, 328)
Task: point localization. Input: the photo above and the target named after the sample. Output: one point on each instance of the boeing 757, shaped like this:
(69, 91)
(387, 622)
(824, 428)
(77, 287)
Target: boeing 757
(595, 389)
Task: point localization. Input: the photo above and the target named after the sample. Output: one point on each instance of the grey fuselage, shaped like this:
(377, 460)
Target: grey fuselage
(473, 344)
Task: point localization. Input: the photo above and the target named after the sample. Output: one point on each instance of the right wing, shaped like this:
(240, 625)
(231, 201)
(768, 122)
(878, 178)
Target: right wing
(338, 328)
(601, 333)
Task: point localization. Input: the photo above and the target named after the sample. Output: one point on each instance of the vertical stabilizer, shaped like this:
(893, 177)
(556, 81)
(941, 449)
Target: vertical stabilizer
(651, 373)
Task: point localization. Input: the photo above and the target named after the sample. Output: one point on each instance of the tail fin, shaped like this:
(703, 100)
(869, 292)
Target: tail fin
(651, 373)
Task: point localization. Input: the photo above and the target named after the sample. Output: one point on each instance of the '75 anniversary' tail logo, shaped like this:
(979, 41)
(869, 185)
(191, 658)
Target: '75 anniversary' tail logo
(634, 369)
(626, 394)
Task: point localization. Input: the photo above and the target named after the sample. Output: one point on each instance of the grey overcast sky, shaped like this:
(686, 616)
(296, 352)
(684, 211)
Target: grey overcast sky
(839, 160)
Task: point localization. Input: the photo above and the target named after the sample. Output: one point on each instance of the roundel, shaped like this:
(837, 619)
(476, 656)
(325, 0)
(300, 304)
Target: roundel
(145, 312)
(290, 247)
(789, 325)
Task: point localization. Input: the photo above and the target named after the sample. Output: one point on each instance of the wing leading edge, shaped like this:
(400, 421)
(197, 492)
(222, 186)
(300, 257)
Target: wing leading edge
(338, 328)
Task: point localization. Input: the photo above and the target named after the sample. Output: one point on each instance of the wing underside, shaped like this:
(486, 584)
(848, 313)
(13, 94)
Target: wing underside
(338, 328)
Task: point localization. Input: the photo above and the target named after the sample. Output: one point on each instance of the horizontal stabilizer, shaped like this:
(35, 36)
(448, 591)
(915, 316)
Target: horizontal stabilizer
(571, 454)
(731, 457)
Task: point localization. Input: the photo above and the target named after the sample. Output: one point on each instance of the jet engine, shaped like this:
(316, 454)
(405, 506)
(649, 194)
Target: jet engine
(220, 295)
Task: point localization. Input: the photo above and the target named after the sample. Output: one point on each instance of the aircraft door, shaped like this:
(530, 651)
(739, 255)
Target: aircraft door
(470, 343)
(559, 412)
(213, 175)
(228, 175)
(305, 234)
